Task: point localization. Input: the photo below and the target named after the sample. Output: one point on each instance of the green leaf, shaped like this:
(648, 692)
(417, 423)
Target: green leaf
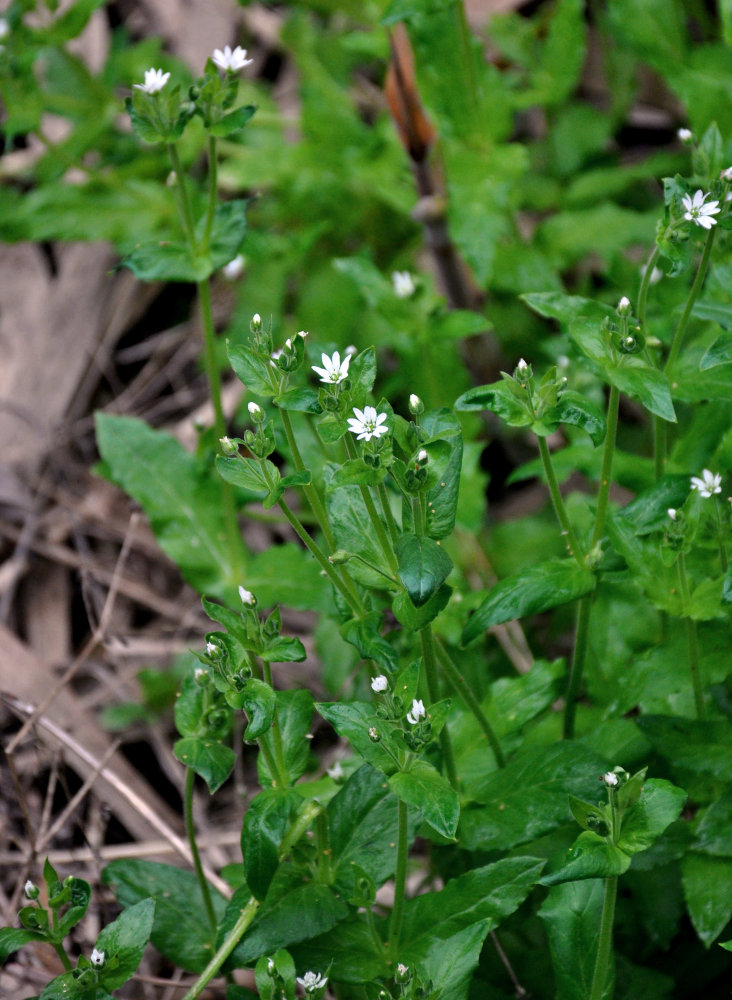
(233, 122)
(424, 788)
(228, 231)
(488, 894)
(571, 913)
(423, 566)
(181, 930)
(265, 824)
(702, 747)
(301, 399)
(331, 428)
(528, 798)
(352, 720)
(246, 472)
(530, 592)
(362, 374)
(497, 398)
(707, 883)
(250, 369)
(80, 898)
(591, 856)
(714, 830)
(259, 702)
(13, 938)
(349, 517)
(167, 261)
(355, 955)
(295, 715)
(576, 410)
(363, 633)
(211, 760)
(284, 649)
(442, 498)
(178, 493)
(718, 353)
(124, 940)
(415, 618)
(355, 472)
(305, 912)
(66, 987)
(659, 805)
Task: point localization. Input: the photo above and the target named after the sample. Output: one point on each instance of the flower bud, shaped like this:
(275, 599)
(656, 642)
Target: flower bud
(685, 135)
(416, 406)
(610, 779)
(403, 975)
(255, 411)
(31, 891)
(234, 269)
(247, 597)
(339, 557)
(97, 957)
(256, 324)
(624, 307)
(379, 684)
(374, 734)
(228, 447)
(672, 513)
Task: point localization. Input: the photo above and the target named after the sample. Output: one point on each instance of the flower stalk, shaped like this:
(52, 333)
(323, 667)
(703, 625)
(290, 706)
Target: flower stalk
(191, 833)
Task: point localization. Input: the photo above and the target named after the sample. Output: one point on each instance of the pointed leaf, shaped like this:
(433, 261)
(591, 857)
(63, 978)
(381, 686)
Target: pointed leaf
(423, 566)
(211, 760)
(424, 788)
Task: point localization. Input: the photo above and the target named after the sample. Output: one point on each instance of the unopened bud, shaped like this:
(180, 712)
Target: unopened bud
(227, 446)
(685, 135)
(247, 597)
(255, 411)
(31, 891)
(374, 734)
(256, 324)
(416, 406)
(624, 307)
(672, 513)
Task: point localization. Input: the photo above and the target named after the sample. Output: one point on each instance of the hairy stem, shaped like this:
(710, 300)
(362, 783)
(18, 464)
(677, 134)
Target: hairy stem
(429, 659)
(701, 274)
(692, 642)
(191, 831)
(576, 670)
(599, 977)
(212, 194)
(558, 503)
(607, 465)
(400, 879)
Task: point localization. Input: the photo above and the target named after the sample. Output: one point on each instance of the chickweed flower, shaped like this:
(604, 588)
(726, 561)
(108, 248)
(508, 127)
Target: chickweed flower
(31, 891)
(334, 370)
(234, 269)
(726, 175)
(255, 410)
(610, 779)
(403, 284)
(247, 597)
(422, 455)
(685, 135)
(312, 981)
(707, 484)
(212, 649)
(624, 306)
(415, 404)
(418, 712)
(155, 80)
(97, 957)
(672, 513)
(379, 684)
(256, 323)
(303, 333)
(522, 367)
(367, 423)
(230, 61)
(699, 212)
(227, 446)
(336, 772)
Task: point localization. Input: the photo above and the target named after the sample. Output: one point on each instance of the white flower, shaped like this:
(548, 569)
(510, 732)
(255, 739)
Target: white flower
(367, 423)
(672, 513)
(212, 648)
(726, 174)
(303, 333)
(29, 889)
(422, 455)
(312, 981)
(624, 306)
(254, 408)
(234, 269)
(231, 61)
(97, 957)
(685, 135)
(403, 284)
(418, 712)
(522, 367)
(155, 80)
(336, 772)
(334, 370)
(414, 401)
(256, 320)
(4, 27)
(247, 597)
(350, 350)
(707, 484)
(698, 212)
(610, 779)
(379, 683)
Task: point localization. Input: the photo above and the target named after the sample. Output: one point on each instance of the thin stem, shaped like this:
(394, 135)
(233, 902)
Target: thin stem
(188, 221)
(248, 913)
(578, 664)
(400, 879)
(692, 642)
(644, 286)
(461, 687)
(191, 831)
(61, 952)
(599, 977)
(607, 465)
(311, 494)
(322, 840)
(429, 659)
(212, 194)
(373, 931)
(378, 526)
(417, 516)
(693, 293)
(388, 515)
(720, 537)
(558, 503)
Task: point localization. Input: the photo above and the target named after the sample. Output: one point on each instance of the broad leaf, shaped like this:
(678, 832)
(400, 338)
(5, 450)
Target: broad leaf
(211, 760)
(424, 788)
(707, 883)
(124, 940)
(423, 566)
(265, 824)
(571, 913)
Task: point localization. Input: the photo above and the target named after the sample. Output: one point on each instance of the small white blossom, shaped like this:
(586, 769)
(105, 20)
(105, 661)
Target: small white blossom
(699, 212)
(374, 734)
(334, 370)
(422, 455)
(254, 408)
(403, 284)
(303, 333)
(672, 513)
(155, 80)
(256, 320)
(610, 779)
(624, 306)
(402, 969)
(29, 889)
(350, 351)
(726, 175)
(212, 648)
(418, 712)
(367, 423)
(97, 957)
(231, 61)
(685, 135)
(708, 484)
(247, 597)
(270, 966)
(522, 367)
(414, 402)
(336, 772)
(234, 269)
(312, 981)
(379, 683)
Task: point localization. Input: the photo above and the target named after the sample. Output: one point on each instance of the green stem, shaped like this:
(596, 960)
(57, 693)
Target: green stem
(322, 839)
(191, 831)
(248, 913)
(607, 465)
(720, 537)
(429, 659)
(212, 194)
(578, 665)
(644, 286)
(692, 641)
(352, 601)
(378, 526)
(461, 687)
(599, 977)
(400, 879)
(185, 202)
(693, 293)
(558, 503)
(61, 952)
(386, 507)
(373, 931)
